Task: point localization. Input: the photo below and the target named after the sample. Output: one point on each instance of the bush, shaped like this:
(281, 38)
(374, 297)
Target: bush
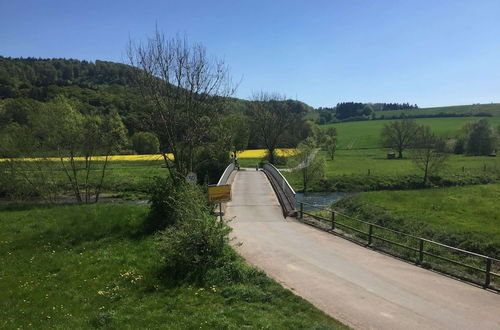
(193, 246)
(171, 203)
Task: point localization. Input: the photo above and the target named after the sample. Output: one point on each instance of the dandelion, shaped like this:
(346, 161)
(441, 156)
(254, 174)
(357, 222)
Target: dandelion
(101, 292)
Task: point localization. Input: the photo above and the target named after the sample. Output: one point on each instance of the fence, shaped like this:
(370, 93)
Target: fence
(284, 191)
(466, 265)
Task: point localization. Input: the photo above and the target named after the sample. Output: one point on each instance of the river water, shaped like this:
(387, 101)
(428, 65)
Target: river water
(317, 199)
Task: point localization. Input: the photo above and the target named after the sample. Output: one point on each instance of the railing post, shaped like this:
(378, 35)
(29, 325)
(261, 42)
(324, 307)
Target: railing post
(333, 220)
(421, 252)
(488, 273)
(301, 210)
(370, 234)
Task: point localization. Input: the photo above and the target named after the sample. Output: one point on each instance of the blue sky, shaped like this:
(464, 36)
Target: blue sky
(431, 53)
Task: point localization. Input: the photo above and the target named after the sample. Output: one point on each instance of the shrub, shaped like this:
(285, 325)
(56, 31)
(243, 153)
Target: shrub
(171, 203)
(192, 246)
(481, 139)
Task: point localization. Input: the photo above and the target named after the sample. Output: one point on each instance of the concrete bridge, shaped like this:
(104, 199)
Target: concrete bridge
(363, 288)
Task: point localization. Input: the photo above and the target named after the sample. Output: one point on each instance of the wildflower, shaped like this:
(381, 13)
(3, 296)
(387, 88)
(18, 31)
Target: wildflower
(101, 292)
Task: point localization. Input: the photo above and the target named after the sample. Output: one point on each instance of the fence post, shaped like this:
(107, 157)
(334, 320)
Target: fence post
(421, 252)
(370, 234)
(301, 210)
(488, 273)
(333, 220)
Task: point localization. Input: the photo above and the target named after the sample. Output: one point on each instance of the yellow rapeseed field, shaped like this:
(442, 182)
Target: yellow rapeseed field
(260, 153)
(256, 153)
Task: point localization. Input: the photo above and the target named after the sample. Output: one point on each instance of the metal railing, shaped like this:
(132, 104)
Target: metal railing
(227, 172)
(285, 192)
(422, 251)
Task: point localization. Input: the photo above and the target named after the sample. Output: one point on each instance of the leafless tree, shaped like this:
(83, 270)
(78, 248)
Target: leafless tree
(186, 90)
(428, 153)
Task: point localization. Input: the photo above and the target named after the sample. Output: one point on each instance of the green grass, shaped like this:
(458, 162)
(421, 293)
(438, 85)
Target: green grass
(366, 134)
(370, 166)
(84, 266)
(466, 110)
(474, 209)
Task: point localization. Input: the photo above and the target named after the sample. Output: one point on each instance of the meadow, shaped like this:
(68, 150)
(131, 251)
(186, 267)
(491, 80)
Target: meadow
(366, 134)
(369, 169)
(90, 266)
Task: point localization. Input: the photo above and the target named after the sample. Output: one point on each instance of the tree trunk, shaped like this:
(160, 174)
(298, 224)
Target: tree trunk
(271, 156)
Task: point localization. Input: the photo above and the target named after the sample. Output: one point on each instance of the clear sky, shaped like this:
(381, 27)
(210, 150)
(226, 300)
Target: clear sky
(431, 53)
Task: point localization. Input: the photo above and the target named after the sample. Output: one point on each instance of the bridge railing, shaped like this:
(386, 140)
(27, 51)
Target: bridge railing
(285, 192)
(466, 265)
(227, 172)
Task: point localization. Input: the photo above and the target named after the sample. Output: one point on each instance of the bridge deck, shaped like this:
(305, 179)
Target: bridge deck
(363, 288)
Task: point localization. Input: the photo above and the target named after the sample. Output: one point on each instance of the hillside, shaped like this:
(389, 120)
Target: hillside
(92, 87)
(480, 110)
(366, 134)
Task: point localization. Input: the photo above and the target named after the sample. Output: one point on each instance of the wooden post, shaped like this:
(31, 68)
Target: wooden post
(488, 273)
(370, 234)
(421, 252)
(333, 220)
(301, 210)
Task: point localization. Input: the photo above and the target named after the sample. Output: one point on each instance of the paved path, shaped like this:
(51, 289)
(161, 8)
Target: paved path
(360, 287)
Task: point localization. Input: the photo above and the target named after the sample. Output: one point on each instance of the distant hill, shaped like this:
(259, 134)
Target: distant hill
(93, 87)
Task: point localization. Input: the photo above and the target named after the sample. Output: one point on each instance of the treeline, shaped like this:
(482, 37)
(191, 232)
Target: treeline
(18, 76)
(393, 106)
(352, 111)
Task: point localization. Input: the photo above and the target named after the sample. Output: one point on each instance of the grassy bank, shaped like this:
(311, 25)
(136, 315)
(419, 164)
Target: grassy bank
(472, 213)
(84, 266)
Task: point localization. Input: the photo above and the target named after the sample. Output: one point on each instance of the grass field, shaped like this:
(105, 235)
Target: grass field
(467, 110)
(366, 134)
(473, 209)
(369, 166)
(87, 266)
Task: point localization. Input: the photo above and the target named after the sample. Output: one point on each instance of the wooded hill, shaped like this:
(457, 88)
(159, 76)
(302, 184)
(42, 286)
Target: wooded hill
(92, 88)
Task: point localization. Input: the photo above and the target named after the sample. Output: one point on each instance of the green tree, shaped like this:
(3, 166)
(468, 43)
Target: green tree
(399, 135)
(428, 153)
(481, 139)
(145, 143)
(329, 143)
(272, 116)
(236, 132)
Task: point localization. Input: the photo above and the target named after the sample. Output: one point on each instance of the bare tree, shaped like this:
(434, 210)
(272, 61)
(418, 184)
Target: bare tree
(428, 153)
(271, 117)
(399, 135)
(310, 167)
(186, 91)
